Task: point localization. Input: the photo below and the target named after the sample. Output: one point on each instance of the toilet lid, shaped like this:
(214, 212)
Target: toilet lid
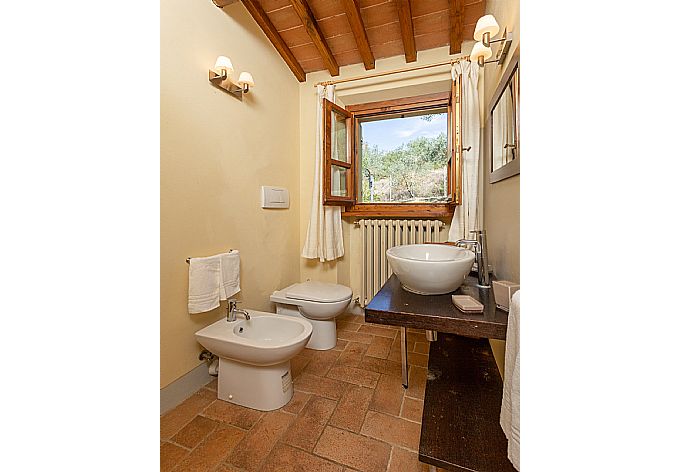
(318, 292)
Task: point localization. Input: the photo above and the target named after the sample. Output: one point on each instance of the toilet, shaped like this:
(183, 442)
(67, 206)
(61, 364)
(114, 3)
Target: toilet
(320, 303)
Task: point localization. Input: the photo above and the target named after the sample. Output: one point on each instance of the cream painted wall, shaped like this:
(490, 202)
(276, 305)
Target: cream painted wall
(347, 270)
(216, 152)
(502, 199)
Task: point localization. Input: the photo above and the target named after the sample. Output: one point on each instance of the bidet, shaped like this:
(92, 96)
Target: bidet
(254, 357)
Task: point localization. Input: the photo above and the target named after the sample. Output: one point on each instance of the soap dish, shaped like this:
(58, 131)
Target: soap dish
(467, 304)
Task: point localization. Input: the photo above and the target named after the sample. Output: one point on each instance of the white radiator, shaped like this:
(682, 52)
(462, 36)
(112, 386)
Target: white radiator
(378, 236)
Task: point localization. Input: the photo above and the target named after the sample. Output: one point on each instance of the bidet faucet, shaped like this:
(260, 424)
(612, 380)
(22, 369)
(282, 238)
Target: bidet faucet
(480, 256)
(233, 311)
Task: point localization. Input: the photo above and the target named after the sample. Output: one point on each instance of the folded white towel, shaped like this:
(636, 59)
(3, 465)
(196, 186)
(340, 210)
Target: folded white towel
(510, 405)
(229, 274)
(204, 284)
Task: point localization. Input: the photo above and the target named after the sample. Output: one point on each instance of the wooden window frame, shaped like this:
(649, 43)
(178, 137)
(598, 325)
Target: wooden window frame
(405, 210)
(329, 199)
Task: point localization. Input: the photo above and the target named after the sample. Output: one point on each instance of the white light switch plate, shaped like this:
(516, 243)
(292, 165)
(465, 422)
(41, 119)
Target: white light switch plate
(274, 197)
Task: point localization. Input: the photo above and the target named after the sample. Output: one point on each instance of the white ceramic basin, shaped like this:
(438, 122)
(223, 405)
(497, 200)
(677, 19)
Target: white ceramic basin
(430, 269)
(265, 339)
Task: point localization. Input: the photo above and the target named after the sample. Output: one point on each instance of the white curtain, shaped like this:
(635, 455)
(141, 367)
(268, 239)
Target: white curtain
(465, 218)
(325, 232)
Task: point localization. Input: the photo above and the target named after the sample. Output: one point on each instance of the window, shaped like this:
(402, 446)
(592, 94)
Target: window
(392, 158)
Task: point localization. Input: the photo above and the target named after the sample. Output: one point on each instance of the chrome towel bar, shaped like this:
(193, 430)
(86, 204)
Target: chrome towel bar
(189, 258)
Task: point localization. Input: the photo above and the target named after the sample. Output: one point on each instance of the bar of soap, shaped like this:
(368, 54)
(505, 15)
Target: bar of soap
(467, 304)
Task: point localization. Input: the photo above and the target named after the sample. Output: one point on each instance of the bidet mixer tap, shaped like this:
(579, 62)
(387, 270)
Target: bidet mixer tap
(480, 256)
(233, 311)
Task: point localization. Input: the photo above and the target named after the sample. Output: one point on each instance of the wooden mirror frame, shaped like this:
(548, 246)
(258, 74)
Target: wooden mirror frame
(513, 167)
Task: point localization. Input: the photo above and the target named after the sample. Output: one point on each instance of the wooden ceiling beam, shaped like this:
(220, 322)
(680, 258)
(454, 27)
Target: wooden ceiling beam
(264, 22)
(354, 17)
(456, 13)
(309, 21)
(406, 29)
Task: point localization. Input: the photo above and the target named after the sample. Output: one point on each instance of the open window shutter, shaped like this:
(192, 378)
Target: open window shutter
(455, 142)
(338, 150)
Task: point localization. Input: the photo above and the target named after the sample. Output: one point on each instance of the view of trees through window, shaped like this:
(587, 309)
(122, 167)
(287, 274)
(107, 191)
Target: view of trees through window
(404, 159)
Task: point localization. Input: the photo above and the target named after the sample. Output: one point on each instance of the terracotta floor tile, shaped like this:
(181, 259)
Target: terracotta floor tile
(305, 431)
(414, 358)
(286, 458)
(252, 451)
(297, 365)
(212, 385)
(178, 417)
(416, 337)
(171, 455)
(355, 336)
(353, 450)
(306, 352)
(388, 395)
(352, 408)
(297, 402)
(322, 386)
(352, 355)
(379, 347)
(215, 448)
(351, 318)
(394, 355)
(382, 366)
(368, 328)
(392, 430)
(196, 431)
(229, 413)
(422, 348)
(347, 326)
(416, 382)
(340, 345)
(321, 363)
(412, 409)
(402, 460)
(354, 375)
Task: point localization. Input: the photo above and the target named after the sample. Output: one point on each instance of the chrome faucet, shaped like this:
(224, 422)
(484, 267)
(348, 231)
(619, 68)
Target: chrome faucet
(233, 311)
(480, 257)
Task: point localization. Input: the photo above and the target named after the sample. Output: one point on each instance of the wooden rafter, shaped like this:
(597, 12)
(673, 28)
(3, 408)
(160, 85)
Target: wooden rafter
(354, 17)
(406, 29)
(307, 17)
(261, 18)
(456, 13)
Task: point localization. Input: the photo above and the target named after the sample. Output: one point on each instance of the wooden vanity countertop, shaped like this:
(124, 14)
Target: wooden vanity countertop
(395, 306)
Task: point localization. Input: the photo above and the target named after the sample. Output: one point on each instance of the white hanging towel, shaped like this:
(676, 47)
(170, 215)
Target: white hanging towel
(510, 405)
(212, 279)
(229, 274)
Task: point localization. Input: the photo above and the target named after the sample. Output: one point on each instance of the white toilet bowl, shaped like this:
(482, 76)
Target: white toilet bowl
(254, 357)
(319, 303)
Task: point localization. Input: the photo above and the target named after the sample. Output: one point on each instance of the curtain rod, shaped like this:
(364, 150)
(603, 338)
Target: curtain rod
(396, 71)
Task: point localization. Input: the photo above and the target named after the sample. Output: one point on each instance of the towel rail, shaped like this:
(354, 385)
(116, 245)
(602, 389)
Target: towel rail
(189, 258)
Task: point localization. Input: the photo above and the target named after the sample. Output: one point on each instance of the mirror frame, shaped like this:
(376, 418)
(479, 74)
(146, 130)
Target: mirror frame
(513, 167)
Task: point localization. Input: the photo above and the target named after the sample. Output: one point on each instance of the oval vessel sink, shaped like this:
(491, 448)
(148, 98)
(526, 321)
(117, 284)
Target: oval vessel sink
(430, 269)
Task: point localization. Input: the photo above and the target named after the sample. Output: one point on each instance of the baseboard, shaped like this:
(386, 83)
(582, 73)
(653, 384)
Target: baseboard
(184, 387)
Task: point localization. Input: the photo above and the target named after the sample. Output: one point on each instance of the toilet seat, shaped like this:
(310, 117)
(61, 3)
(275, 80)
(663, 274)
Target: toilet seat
(319, 292)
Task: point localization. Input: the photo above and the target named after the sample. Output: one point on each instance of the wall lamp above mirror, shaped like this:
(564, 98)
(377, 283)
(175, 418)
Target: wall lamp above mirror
(221, 76)
(486, 28)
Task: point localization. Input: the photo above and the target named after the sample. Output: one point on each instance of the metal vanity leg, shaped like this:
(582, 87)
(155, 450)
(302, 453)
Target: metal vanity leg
(403, 354)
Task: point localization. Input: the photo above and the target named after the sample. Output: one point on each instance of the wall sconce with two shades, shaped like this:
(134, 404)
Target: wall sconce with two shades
(221, 77)
(486, 28)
